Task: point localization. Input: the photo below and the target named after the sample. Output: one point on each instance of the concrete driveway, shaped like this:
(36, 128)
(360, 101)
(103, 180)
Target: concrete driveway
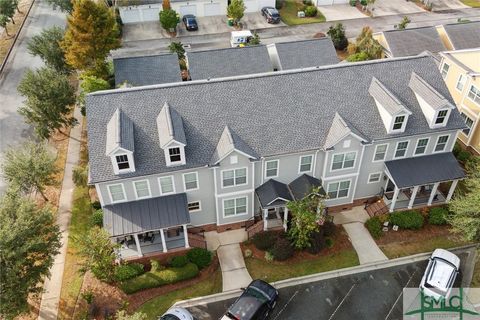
(393, 7)
(341, 12)
(441, 5)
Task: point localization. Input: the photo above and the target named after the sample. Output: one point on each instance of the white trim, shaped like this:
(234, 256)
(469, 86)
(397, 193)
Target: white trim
(235, 200)
(253, 186)
(350, 175)
(234, 150)
(263, 169)
(435, 125)
(278, 168)
(300, 163)
(396, 148)
(343, 162)
(215, 194)
(160, 185)
(458, 80)
(325, 160)
(315, 158)
(339, 181)
(416, 146)
(441, 70)
(99, 194)
(221, 195)
(404, 123)
(148, 187)
(167, 155)
(468, 91)
(277, 198)
(184, 183)
(436, 143)
(199, 206)
(123, 190)
(234, 177)
(379, 177)
(375, 152)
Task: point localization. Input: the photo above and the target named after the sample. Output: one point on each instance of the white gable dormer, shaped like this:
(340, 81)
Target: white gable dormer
(393, 112)
(435, 107)
(120, 143)
(171, 136)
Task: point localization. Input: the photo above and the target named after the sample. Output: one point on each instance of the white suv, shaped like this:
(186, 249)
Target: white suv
(442, 269)
(176, 313)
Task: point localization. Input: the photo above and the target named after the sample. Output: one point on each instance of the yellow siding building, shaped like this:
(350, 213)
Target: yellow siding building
(461, 72)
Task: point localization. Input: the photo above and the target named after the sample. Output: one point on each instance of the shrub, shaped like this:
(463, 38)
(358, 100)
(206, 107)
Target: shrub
(438, 216)
(456, 149)
(374, 226)
(279, 4)
(156, 266)
(329, 228)
(80, 176)
(307, 2)
(407, 219)
(463, 156)
(361, 56)
(96, 219)
(178, 261)
(353, 3)
(168, 19)
(264, 240)
(317, 242)
(311, 11)
(154, 279)
(329, 242)
(268, 256)
(282, 250)
(96, 205)
(248, 253)
(128, 271)
(363, 2)
(201, 257)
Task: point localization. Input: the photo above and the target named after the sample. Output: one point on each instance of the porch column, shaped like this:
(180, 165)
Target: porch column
(285, 218)
(164, 244)
(432, 193)
(137, 243)
(412, 198)
(185, 234)
(394, 199)
(265, 215)
(452, 190)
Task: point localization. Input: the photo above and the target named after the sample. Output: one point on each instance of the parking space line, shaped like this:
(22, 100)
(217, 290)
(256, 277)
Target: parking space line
(341, 302)
(401, 293)
(286, 304)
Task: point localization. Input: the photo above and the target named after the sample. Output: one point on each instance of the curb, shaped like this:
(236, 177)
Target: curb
(319, 276)
(4, 63)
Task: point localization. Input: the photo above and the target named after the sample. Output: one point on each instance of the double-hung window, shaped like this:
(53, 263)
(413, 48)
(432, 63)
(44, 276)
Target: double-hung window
(175, 154)
(117, 194)
(338, 190)
(190, 181)
(122, 162)
(234, 177)
(421, 146)
(468, 123)
(374, 177)
(461, 82)
(398, 122)
(441, 143)
(343, 160)
(306, 163)
(474, 94)
(401, 150)
(166, 185)
(380, 152)
(441, 116)
(445, 68)
(142, 189)
(233, 207)
(271, 168)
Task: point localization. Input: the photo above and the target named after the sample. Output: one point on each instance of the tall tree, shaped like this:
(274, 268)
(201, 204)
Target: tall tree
(236, 10)
(29, 240)
(92, 32)
(367, 44)
(47, 46)
(7, 9)
(29, 168)
(49, 101)
(4, 20)
(166, 5)
(177, 47)
(63, 5)
(337, 34)
(90, 84)
(168, 19)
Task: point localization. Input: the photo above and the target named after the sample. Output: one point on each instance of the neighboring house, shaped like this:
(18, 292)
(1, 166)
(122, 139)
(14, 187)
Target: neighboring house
(149, 10)
(460, 36)
(302, 54)
(216, 154)
(147, 70)
(461, 72)
(228, 62)
(410, 42)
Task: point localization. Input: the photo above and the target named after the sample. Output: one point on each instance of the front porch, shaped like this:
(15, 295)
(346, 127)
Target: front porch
(408, 199)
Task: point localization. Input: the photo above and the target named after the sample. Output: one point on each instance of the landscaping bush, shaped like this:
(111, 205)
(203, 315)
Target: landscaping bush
(282, 250)
(179, 261)
(406, 219)
(363, 2)
(329, 242)
(311, 11)
(353, 3)
(279, 4)
(96, 205)
(96, 219)
(329, 229)
(264, 240)
(463, 156)
(201, 257)
(317, 242)
(374, 226)
(154, 279)
(156, 266)
(438, 216)
(128, 271)
(307, 2)
(456, 149)
(268, 256)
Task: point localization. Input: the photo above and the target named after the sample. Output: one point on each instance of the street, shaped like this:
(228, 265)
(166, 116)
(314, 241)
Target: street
(368, 295)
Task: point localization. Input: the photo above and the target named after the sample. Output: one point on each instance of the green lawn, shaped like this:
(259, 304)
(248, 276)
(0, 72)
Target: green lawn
(157, 306)
(471, 3)
(476, 273)
(275, 271)
(288, 14)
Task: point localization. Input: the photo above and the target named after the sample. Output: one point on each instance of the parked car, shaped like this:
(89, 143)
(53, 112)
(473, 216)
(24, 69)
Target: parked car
(177, 314)
(190, 22)
(240, 38)
(271, 14)
(439, 277)
(255, 303)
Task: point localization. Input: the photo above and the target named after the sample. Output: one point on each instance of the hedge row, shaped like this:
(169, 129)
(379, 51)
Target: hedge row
(406, 219)
(374, 226)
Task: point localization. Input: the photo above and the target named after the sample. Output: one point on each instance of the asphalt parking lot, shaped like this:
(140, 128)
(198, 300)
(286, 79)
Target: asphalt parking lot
(369, 295)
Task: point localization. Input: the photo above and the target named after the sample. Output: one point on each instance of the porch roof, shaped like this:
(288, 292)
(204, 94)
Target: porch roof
(273, 194)
(418, 171)
(145, 215)
(303, 185)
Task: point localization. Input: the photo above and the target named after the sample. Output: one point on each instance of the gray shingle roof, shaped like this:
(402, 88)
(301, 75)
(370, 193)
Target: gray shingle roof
(410, 42)
(296, 117)
(170, 126)
(434, 98)
(119, 133)
(228, 142)
(339, 129)
(147, 70)
(306, 53)
(464, 35)
(418, 171)
(386, 98)
(273, 193)
(303, 185)
(228, 62)
(146, 215)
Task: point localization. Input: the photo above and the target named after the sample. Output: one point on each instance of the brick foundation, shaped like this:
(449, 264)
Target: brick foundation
(348, 206)
(162, 257)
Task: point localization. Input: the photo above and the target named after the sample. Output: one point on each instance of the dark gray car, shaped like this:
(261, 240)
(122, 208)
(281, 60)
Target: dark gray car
(271, 14)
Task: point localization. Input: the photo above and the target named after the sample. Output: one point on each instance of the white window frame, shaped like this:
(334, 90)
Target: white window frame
(235, 207)
(442, 70)
(465, 117)
(404, 123)
(339, 182)
(476, 95)
(379, 177)
(396, 148)
(185, 183)
(278, 168)
(128, 161)
(160, 185)
(462, 76)
(343, 162)
(436, 143)
(123, 191)
(375, 153)
(445, 118)
(300, 163)
(199, 206)
(167, 155)
(234, 177)
(416, 147)
(136, 191)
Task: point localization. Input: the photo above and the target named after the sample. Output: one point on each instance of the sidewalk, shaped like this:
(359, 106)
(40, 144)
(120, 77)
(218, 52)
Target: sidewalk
(53, 286)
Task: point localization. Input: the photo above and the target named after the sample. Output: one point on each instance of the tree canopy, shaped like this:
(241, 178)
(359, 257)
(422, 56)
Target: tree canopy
(367, 44)
(90, 84)
(337, 34)
(7, 10)
(63, 5)
(168, 19)
(29, 240)
(47, 46)
(236, 10)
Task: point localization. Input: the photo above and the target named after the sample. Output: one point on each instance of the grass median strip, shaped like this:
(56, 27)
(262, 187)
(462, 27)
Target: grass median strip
(289, 10)
(471, 3)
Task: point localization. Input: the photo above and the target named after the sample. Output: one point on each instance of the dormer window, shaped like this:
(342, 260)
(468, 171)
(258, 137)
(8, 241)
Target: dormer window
(441, 116)
(122, 162)
(175, 154)
(398, 123)
(120, 143)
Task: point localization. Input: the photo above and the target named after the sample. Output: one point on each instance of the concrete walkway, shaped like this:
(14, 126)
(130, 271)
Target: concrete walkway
(53, 286)
(363, 243)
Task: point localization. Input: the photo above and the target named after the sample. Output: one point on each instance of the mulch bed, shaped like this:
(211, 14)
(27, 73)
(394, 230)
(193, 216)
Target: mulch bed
(426, 232)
